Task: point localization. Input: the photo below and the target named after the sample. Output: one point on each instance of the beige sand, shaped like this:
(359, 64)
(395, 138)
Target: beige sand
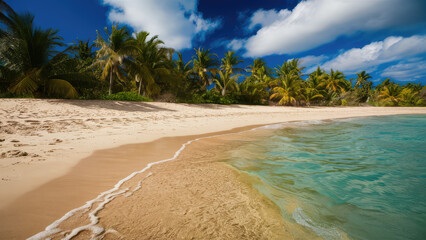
(44, 139)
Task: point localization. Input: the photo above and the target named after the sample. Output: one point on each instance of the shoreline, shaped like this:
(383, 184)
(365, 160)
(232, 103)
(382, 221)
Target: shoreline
(238, 117)
(205, 151)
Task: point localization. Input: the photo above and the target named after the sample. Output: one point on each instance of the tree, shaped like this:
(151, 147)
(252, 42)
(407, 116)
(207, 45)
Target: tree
(229, 62)
(336, 82)
(203, 64)
(30, 62)
(362, 78)
(390, 93)
(148, 62)
(317, 79)
(183, 84)
(286, 88)
(113, 50)
(310, 94)
(83, 50)
(225, 80)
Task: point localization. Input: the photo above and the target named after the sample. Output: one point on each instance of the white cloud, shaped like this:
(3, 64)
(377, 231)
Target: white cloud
(235, 44)
(267, 17)
(407, 71)
(313, 61)
(372, 55)
(315, 22)
(176, 22)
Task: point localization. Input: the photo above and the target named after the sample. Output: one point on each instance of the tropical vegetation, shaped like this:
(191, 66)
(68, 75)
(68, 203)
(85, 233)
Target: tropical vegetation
(121, 65)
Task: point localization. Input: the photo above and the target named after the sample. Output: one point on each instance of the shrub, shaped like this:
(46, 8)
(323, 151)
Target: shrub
(127, 96)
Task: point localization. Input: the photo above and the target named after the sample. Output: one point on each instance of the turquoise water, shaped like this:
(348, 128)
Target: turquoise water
(365, 176)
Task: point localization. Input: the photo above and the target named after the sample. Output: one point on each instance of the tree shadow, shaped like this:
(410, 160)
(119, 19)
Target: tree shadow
(125, 106)
(211, 105)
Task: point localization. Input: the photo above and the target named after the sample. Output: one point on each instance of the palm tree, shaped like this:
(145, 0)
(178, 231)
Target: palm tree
(229, 62)
(317, 79)
(383, 83)
(83, 49)
(113, 51)
(225, 81)
(30, 62)
(203, 64)
(148, 62)
(286, 88)
(310, 94)
(362, 77)
(258, 63)
(290, 67)
(336, 81)
(409, 96)
(183, 83)
(390, 93)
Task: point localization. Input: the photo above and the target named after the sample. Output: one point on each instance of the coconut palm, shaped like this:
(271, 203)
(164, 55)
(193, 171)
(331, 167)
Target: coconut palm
(225, 81)
(409, 96)
(310, 94)
(30, 62)
(317, 79)
(83, 49)
(336, 82)
(183, 83)
(204, 63)
(229, 62)
(390, 93)
(362, 78)
(113, 50)
(148, 62)
(286, 90)
(258, 63)
(383, 83)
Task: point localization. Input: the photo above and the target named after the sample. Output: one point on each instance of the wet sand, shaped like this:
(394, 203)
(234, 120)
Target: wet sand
(32, 212)
(194, 196)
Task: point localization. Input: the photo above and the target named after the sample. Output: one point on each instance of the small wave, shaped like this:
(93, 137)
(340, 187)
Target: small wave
(103, 199)
(286, 124)
(327, 233)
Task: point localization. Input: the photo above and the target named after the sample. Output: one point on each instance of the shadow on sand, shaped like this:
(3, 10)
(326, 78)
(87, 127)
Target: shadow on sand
(115, 105)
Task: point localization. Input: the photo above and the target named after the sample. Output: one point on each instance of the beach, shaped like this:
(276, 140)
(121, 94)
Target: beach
(58, 154)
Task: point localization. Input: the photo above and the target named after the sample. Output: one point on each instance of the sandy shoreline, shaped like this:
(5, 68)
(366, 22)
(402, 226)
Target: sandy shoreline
(55, 134)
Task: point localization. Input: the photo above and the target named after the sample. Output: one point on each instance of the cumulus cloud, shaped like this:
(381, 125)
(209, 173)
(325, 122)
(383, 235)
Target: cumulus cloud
(176, 22)
(372, 55)
(235, 44)
(267, 17)
(411, 70)
(313, 61)
(315, 22)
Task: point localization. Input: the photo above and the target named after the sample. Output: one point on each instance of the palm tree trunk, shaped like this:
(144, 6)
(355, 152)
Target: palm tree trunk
(140, 86)
(110, 83)
(224, 91)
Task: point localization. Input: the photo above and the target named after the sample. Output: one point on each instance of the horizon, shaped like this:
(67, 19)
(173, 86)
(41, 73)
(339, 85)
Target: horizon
(387, 41)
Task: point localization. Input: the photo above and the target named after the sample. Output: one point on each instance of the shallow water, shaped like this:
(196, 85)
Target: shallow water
(365, 177)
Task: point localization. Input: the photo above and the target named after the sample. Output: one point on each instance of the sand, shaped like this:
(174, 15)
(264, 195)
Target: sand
(46, 140)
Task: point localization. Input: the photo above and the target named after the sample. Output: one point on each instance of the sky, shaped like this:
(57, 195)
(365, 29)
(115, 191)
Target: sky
(386, 38)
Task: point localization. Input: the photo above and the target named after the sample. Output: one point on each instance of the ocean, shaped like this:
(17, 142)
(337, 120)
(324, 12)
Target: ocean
(362, 178)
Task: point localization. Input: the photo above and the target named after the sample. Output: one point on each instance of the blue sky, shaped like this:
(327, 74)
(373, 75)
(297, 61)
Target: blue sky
(387, 38)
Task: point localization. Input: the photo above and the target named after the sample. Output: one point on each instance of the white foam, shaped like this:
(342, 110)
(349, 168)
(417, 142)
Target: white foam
(326, 233)
(287, 124)
(107, 196)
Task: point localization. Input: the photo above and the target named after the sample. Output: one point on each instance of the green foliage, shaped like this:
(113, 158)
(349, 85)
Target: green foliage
(139, 67)
(127, 96)
(211, 96)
